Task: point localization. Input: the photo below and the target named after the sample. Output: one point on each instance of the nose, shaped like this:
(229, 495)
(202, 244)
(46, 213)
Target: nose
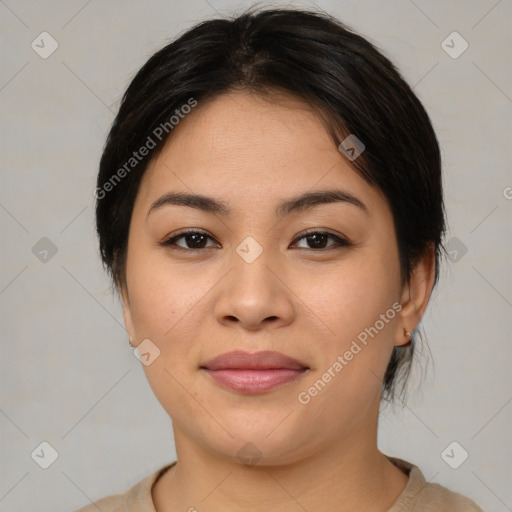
(254, 295)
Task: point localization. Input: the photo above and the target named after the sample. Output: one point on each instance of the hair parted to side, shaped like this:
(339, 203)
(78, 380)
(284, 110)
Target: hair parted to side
(313, 56)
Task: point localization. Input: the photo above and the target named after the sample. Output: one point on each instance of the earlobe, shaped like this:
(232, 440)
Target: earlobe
(415, 297)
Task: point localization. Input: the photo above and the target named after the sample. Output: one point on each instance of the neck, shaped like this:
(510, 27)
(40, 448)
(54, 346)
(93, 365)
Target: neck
(348, 476)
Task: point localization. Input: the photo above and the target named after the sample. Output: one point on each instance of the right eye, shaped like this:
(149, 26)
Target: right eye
(194, 240)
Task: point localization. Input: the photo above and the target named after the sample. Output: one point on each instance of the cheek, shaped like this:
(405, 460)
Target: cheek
(163, 304)
(162, 293)
(357, 305)
(350, 297)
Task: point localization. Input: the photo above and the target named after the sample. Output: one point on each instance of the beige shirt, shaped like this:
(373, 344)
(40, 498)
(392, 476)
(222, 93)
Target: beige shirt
(418, 495)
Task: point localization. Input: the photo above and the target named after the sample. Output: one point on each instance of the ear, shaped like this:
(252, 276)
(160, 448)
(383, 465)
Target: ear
(415, 296)
(127, 314)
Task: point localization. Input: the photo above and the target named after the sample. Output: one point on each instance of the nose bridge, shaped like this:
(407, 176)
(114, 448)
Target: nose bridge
(250, 250)
(252, 292)
(251, 267)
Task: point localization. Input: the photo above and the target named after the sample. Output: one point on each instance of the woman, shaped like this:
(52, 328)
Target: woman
(270, 208)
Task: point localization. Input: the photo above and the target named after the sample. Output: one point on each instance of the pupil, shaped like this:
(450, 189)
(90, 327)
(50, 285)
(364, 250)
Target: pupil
(315, 237)
(196, 239)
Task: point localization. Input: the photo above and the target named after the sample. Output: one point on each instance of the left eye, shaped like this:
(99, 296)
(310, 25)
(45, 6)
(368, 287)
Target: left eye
(318, 239)
(197, 239)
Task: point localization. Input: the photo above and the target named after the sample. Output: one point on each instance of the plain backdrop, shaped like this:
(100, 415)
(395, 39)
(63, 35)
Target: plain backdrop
(69, 377)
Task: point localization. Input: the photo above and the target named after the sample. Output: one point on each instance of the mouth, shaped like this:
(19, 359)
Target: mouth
(253, 373)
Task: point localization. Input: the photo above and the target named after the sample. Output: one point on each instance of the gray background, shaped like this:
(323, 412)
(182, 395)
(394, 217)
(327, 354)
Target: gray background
(68, 375)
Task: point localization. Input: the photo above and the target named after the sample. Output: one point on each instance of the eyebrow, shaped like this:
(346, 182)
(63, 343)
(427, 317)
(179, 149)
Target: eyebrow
(302, 202)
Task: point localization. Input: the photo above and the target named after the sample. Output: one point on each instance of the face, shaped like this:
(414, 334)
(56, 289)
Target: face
(319, 283)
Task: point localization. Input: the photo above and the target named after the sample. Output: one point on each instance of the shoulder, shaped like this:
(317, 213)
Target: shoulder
(435, 497)
(137, 498)
(422, 496)
(112, 503)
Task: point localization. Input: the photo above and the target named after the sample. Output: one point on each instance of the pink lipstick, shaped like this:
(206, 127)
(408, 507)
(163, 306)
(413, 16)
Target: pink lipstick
(253, 373)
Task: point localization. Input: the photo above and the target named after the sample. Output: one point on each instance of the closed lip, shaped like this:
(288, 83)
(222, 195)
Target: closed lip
(264, 360)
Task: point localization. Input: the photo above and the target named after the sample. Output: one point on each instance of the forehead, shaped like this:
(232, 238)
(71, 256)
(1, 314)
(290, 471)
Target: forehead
(254, 148)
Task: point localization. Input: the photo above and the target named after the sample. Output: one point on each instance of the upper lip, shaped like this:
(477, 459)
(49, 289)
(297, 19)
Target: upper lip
(265, 360)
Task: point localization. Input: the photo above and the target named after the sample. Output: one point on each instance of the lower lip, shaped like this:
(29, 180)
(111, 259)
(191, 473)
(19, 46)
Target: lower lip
(255, 381)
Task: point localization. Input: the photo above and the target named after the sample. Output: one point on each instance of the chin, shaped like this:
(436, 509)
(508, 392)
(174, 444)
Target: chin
(252, 440)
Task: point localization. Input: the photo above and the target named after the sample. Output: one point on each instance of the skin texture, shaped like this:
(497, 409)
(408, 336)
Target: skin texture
(252, 152)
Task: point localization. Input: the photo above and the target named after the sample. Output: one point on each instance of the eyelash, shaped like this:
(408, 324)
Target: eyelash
(342, 242)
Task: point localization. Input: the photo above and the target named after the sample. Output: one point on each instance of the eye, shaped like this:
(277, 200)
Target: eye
(318, 240)
(193, 240)
(196, 240)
